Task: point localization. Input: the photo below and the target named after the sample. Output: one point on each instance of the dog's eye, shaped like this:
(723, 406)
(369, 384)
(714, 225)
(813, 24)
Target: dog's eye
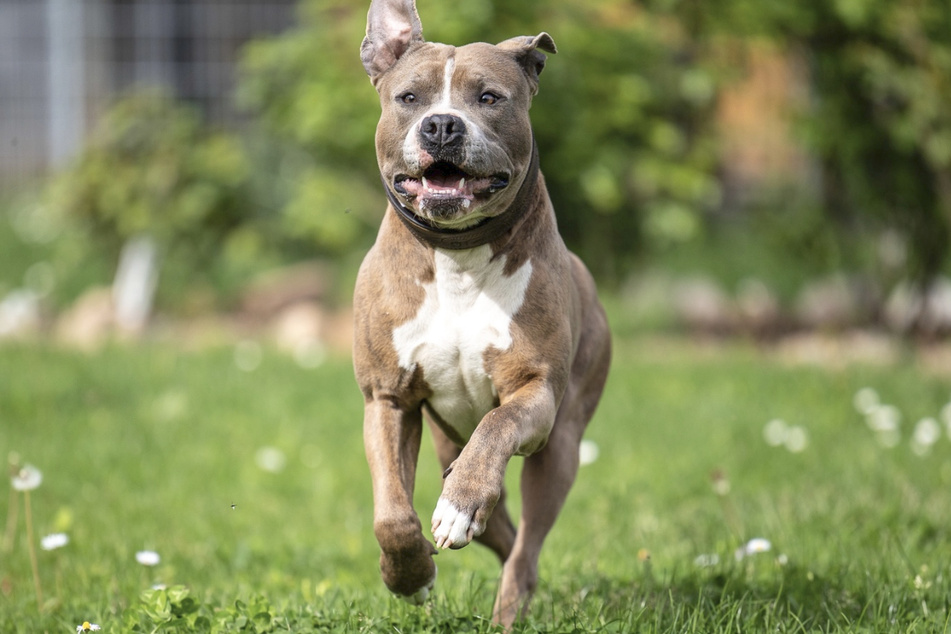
(489, 99)
(407, 97)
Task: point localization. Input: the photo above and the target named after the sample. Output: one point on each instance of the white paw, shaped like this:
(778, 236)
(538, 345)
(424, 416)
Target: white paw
(452, 528)
(420, 596)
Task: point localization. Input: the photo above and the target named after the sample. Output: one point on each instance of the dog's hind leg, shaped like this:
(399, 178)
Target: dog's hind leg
(548, 475)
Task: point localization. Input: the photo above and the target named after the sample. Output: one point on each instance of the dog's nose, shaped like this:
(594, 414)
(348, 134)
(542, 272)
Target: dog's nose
(442, 130)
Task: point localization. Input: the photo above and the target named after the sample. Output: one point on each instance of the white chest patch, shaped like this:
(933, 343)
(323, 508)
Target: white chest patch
(468, 308)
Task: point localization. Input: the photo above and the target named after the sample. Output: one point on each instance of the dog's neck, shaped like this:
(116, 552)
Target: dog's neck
(487, 231)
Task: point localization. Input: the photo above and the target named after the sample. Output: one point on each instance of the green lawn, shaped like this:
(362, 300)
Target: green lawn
(154, 448)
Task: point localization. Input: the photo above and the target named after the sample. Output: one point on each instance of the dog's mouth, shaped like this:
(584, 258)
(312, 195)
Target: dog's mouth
(443, 182)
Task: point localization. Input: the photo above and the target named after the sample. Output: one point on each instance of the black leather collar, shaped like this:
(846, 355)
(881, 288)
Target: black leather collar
(488, 230)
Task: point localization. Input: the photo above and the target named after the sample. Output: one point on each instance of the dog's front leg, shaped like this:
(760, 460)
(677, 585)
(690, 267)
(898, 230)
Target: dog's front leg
(519, 426)
(391, 437)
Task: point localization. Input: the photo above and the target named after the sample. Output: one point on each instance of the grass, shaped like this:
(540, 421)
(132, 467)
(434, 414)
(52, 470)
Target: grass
(159, 448)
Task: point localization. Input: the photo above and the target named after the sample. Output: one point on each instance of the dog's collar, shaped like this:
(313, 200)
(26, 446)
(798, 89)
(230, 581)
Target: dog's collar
(486, 231)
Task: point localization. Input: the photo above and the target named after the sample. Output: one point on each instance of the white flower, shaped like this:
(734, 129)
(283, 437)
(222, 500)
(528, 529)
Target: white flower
(148, 557)
(54, 541)
(927, 432)
(775, 432)
(270, 459)
(588, 452)
(883, 418)
(754, 546)
(865, 400)
(797, 439)
(27, 478)
(87, 627)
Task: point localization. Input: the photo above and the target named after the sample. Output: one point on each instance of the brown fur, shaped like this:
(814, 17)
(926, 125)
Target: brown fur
(548, 381)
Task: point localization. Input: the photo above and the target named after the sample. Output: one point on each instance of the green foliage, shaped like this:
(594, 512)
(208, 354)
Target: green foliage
(626, 121)
(877, 120)
(167, 610)
(622, 119)
(882, 73)
(152, 167)
(310, 94)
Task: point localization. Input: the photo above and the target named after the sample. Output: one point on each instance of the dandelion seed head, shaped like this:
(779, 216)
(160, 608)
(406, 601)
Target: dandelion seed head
(883, 418)
(797, 439)
(27, 478)
(270, 459)
(588, 452)
(865, 400)
(775, 431)
(927, 432)
(148, 557)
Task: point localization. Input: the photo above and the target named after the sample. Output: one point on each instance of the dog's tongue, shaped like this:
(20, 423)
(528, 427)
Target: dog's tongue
(444, 178)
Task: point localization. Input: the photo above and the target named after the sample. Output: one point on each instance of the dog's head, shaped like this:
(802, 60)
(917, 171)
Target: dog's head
(454, 141)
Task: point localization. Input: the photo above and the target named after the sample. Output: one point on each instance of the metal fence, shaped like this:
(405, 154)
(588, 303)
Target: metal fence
(63, 61)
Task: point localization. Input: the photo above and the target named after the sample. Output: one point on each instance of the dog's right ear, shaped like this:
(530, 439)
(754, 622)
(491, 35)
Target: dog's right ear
(392, 27)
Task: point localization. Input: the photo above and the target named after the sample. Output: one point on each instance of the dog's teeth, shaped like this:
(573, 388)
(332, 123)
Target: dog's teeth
(462, 184)
(426, 184)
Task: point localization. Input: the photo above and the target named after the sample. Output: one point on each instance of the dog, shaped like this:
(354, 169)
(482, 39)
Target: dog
(469, 310)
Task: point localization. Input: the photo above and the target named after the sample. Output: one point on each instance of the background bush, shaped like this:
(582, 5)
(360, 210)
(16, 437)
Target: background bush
(876, 121)
(627, 121)
(153, 168)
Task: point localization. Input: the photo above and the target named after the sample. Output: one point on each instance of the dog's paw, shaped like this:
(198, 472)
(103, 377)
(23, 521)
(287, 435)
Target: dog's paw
(453, 528)
(420, 597)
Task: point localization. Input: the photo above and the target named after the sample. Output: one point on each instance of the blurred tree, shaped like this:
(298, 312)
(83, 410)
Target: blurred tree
(878, 120)
(622, 119)
(152, 169)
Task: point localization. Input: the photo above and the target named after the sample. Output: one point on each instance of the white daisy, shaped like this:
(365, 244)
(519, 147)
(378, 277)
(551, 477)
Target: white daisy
(54, 541)
(87, 627)
(754, 546)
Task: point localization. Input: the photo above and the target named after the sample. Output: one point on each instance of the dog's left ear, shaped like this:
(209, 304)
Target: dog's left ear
(528, 52)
